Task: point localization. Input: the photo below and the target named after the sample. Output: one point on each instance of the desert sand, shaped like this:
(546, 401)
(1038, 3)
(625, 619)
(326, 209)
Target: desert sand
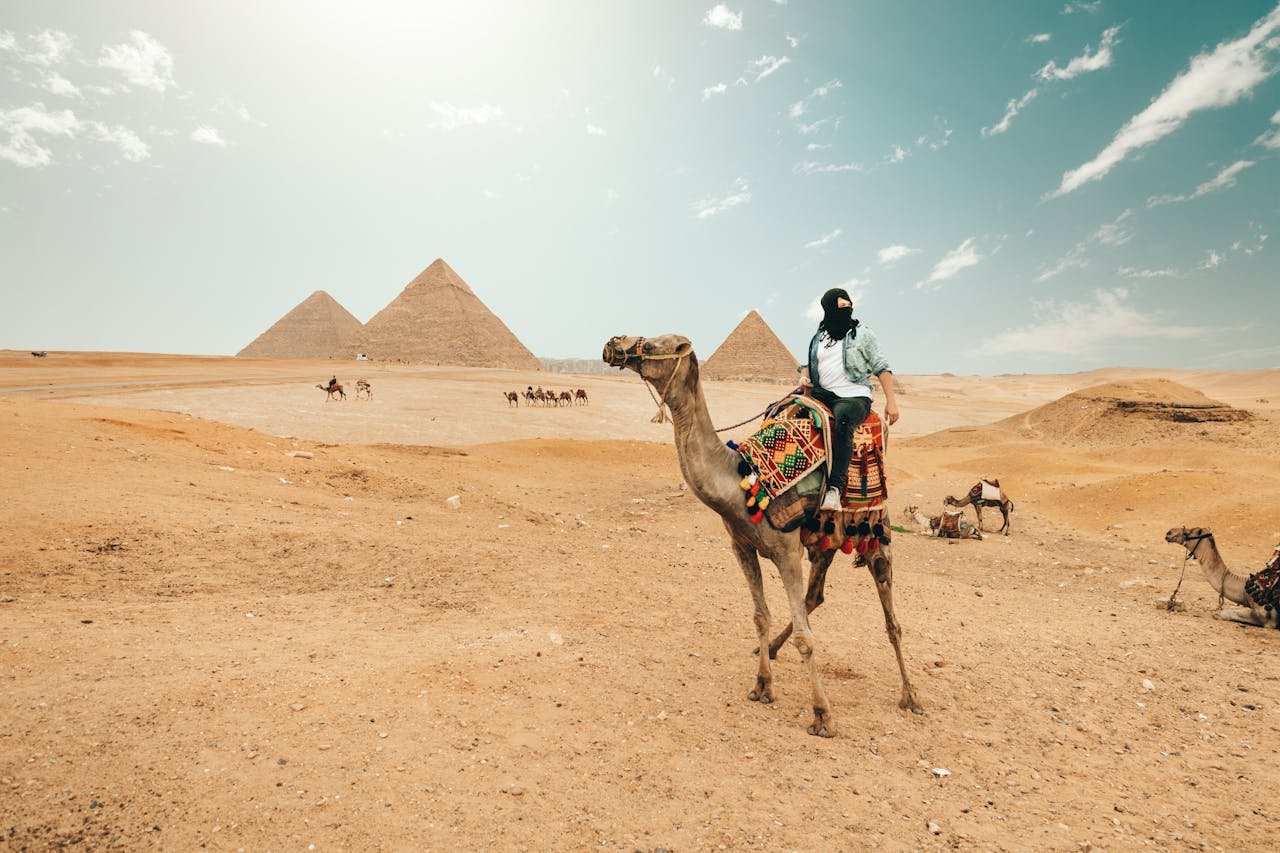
(237, 616)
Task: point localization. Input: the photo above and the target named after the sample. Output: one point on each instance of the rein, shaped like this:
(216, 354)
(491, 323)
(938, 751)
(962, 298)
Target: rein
(1191, 552)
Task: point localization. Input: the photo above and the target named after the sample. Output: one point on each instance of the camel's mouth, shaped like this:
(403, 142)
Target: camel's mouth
(621, 351)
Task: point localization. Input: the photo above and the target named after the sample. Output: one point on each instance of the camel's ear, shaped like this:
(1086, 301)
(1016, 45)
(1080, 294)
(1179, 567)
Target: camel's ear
(684, 348)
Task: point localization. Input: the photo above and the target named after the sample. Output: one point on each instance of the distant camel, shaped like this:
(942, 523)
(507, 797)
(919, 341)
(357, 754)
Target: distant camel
(363, 385)
(513, 399)
(566, 397)
(540, 396)
(330, 390)
(40, 354)
(955, 526)
(529, 397)
(580, 396)
(985, 493)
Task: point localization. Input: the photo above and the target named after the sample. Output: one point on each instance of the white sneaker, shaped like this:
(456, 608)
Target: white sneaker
(831, 500)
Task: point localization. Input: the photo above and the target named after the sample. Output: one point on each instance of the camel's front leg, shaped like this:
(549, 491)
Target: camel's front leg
(977, 510)
(789, 569)
(881, 567)
(812, 598)
(746, 554)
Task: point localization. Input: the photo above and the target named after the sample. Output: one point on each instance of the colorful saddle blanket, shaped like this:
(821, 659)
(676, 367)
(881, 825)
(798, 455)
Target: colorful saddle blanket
(787, 464)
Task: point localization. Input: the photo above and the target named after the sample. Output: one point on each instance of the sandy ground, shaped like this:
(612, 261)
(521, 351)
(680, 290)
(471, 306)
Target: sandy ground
(207, 641)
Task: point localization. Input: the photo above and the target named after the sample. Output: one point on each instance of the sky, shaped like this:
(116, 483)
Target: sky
(1003, 186)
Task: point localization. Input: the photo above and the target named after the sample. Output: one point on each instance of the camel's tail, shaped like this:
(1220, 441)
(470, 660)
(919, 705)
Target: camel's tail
(1010, 506)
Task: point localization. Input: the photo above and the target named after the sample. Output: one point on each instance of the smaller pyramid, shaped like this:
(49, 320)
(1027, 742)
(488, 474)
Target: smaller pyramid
(753, 353)
(317, 328)
(438, 319)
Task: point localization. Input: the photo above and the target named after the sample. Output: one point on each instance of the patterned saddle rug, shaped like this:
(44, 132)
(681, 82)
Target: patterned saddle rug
(1264, 587)
(786, 466)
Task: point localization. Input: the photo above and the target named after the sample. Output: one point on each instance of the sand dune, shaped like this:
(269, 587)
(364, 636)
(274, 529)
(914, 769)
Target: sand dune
(215, 634)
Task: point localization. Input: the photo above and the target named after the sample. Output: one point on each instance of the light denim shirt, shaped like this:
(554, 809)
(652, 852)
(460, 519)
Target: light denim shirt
(862, 357)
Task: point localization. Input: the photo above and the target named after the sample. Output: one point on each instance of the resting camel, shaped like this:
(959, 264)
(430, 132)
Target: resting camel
(513, 399)
(668, 364)
(975, 498)
(363, 385)
(580, 396)
(330, 390)
(1258, 594)
(39, 354)
(933, 524)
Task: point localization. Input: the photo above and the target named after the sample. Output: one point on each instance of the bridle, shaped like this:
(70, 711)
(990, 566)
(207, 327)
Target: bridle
(1191, 552)
(620, 358)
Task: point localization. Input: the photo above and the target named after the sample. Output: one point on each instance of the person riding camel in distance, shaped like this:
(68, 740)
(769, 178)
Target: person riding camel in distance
(842, 359)
(333, 383)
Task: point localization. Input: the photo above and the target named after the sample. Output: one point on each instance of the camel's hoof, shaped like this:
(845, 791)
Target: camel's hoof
(763, 692)
(909, 703)
(822, 726)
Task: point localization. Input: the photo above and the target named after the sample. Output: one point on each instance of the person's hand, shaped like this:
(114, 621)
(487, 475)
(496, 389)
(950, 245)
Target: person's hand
(805, 382)
(891, 413)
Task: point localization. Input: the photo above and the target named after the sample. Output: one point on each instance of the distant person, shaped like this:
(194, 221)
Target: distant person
(842, 360)
(333, 383)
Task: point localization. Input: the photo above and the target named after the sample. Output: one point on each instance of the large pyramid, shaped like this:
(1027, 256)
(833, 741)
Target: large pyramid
(317, 328)
(752, 352)
(436, 319)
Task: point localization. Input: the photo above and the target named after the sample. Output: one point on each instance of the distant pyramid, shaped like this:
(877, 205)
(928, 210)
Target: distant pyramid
(317, 328)
(752, 352)
(437, 319)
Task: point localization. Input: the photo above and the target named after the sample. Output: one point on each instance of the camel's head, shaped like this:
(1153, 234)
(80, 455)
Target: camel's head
(949, 501)
(655, 359)
(911, 510)
(1186, 535)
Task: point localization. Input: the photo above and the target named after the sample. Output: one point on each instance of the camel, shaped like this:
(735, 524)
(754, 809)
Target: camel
(1259, 594)
(975, 499)
(363, 385)
(513, 399)
(933, 524)
(566, 398)
(330, 390)
(668, 364)
(39, 353)
(540, 395)
(580, 396)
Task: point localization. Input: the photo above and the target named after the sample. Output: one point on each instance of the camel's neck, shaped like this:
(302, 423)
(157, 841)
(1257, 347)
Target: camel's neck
(1225, 581)
(708, 466)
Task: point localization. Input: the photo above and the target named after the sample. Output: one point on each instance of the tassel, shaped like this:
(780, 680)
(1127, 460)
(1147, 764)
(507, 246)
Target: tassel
(757, 517)
(885, 540)
(763, 503)
(811, 524)
(744, 467)
(847, 546)
(751, 499)
(864, 529)
(829, 528)
(878, 530)
(824, 544)
(733, 445)
(850, 530)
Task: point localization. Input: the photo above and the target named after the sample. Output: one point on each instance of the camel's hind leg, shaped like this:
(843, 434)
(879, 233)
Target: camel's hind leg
(1004, 511)
(746, 554)
(813, 597)
(881, 566)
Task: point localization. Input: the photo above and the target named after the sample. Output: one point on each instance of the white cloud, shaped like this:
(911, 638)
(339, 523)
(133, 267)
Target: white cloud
(661, 74)
(143, 61)
(792, 41)
(1131, 272)
(814, 312)
(723, 17)
(712, 91)
(896, 155)
(1212, 260)
(1082, 328)
(208, 136)
(1073, 259)
(23, 124)
(1116, 232)
(611, 194)
(818, 146)
(890, 255)
(824, 239)
(594, 130)
(818, 125)
(1223, 180)
(766, 65)
(961, 257)
(801, 106)
(1086, 62)
(1011, 110)
(708, 207)
(244, 115)
(1270, 138)
(451, 117)
(811, 168)
(1039, 38)
(1216, 78)
(1081, 6)
(56, 84)
(131, 147)
(45, 48)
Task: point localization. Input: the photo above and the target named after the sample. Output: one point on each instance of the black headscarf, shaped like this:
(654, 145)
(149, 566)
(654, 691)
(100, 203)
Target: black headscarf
(837, 322)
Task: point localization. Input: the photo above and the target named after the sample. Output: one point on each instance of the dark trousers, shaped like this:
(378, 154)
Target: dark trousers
(847, 413)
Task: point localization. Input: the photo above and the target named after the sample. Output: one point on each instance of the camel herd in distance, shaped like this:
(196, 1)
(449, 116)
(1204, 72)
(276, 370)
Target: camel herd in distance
(546, 397)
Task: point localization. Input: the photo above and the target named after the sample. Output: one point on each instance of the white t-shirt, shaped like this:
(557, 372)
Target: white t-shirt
(831, 375)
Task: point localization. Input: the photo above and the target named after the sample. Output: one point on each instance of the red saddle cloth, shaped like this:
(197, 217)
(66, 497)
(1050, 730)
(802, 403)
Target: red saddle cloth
(789, 457)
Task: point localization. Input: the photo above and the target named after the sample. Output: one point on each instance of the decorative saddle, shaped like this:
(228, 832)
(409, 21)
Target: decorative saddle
(785, 466)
